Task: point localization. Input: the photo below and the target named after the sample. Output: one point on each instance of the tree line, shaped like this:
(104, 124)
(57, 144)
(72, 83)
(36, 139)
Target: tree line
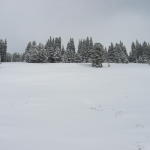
(9, 57)
(3, 50)
(87, 52)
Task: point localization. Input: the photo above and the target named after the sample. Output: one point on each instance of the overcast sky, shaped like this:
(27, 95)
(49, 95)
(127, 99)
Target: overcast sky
(105, 20)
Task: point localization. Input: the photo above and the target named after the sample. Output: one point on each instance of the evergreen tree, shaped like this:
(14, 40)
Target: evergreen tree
(63, 54)
(70, 51)
(58, 42)
(85, 48)
(28, 50)
(57, 56)
(50, 48)
(36, 54)
(90, 50)
(140, 53)
(120, 53)
(146, 52)
(97, 55)
(78, 58)
(29, 45)
(79, 52)
(117, 53)
(53, 48)
(111, 53)
(132, 55)
(3, 50)
(42, 54)
(105, 55)
(32, 55)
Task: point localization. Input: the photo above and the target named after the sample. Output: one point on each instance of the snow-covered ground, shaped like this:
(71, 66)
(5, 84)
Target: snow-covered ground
(74, 107)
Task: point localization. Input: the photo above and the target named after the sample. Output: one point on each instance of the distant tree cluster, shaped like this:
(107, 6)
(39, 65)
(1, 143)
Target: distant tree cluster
(14, 57)
(87, 52)
(85, 49)
(140, 53)
(117, 53)
(39, 53)
(97, 56)
(3, 50)
(8, 57)
(54, 52)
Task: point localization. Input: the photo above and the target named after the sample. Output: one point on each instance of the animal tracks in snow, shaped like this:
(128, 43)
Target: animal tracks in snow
(100, 108)
(96, 108)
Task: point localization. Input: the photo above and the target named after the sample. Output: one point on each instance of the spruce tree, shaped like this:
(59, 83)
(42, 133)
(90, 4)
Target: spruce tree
(78, 58)
(97, 55)
(111, 53)
(3, 50)
(50, 48)
(85, 48)
(90, 50)
(63, 54)
(120, 53)
(70, 51)
(42, 54)
(105, 59)
(132, 55)
(57, 52)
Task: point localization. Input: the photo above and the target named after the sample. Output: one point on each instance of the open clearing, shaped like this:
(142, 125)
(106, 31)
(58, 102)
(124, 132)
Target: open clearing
(74, 107)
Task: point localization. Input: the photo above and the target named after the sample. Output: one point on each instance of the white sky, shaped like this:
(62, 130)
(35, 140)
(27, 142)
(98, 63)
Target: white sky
(105, 20)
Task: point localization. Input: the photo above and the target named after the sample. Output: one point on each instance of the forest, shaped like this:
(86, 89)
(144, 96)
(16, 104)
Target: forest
(87, 51)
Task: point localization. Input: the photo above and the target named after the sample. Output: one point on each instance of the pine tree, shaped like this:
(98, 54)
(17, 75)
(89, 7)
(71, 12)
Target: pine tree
(57, 52)
(105, 59)
(36, 54)
(139, 52)
(78, 58)
(57, 55)
(29, 46)
(80, 51)
(97, 56)
(90, 50)
(50, 48)
(120, 53)
(63, 54)
(53, 48)
(32, 55)
(42, 54)
(132, 55)
(111, 53)
(117, 53)
(70, 51)
(58, 42)
(3, 50)
(28, 50)
(85, 48)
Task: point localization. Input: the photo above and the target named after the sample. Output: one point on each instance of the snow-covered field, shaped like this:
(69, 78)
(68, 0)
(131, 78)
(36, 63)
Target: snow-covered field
(74, 107)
